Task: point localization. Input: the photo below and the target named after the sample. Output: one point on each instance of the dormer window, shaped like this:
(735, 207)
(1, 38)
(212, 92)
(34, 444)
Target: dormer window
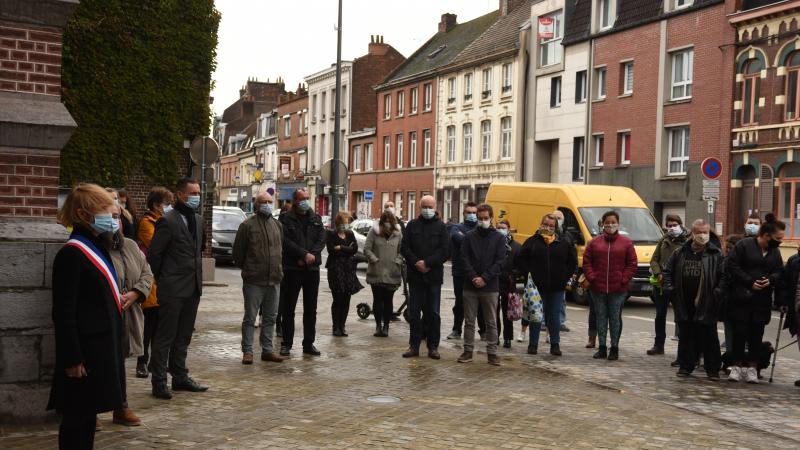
(606, 14)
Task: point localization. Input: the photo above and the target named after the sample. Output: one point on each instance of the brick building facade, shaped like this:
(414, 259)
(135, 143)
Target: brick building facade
(292, 143)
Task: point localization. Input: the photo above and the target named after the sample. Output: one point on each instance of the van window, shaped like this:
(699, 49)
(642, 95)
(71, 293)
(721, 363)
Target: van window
(636, 223)
(571, 225)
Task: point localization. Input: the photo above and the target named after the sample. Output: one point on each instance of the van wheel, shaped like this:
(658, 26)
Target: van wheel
(580, 296)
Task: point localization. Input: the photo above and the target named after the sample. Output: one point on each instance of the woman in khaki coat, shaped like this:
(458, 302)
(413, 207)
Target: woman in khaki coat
(382, 249)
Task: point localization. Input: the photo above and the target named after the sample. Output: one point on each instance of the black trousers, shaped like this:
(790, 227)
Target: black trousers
(382, 305)
(150, 327)
(176, 317)
(750, 334)
(339, 309)
(508, 326)
(699, 339)
(293, 282)
(76, 431)
(458, 307)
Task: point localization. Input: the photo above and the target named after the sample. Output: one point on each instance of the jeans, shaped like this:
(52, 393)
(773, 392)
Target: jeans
(562, 313)
(293, 282)
(427, 298)
(592, 318)
(551, 303)
(699, 339)
(76, 431)
(150, 327)
(458, 307)
(661, 318)
(382, 305)
(176, 318)
(488, 303)
(608, 308)
(339, 309)
(264, 299)
(750, 334)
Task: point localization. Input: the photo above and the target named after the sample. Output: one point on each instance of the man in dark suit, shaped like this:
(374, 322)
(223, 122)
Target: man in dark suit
(175, 256)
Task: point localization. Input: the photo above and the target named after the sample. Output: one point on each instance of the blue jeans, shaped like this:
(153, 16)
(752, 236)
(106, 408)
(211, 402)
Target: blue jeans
(562, 312)
(661, 317)
(551, 302)
(427, 298)
(264, 299)
(608, 308)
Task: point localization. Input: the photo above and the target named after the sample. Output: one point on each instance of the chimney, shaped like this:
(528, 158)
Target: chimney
(506, 6)
(377, 47)
(448, 23)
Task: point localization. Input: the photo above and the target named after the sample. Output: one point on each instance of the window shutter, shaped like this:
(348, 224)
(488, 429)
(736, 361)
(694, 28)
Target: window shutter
(576, 161)
(766, 190)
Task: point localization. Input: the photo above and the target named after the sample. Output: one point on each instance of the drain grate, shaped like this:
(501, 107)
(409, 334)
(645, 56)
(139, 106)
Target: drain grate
(383, 399)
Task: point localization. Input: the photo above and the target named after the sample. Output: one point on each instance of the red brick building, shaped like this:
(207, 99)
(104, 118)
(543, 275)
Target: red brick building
(292, 134)
(398, 162)
(764, 140)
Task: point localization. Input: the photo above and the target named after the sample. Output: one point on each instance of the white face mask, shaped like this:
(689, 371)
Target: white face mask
(503, 231)
(390, 209)
(485, 224)
(611, 228)
(675, 231)
(701, 238)
(428, 213)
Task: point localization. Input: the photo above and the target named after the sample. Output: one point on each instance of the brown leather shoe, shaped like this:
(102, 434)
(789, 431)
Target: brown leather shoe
(434, 354)
(592, 342)
(247, 359)
(125, 416)
(494, 360)
(272, 357)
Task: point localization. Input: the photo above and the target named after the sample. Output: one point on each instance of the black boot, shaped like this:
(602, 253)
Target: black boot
(141, 370)
(613, 355)
(506, 343)
(555, 350)
(385, 329)
(601, 353)
(378, 330)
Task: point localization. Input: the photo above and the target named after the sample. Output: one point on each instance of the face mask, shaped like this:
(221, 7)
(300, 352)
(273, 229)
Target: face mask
(193, 201)
(471, 218)
(774, 243)
(303, 205)
(611, 228)
(390, 210)
(485, 224)
(343, 227)
(750, 229)
(674, 231)
(428, 213)
(546, 231)
(167, 208)
(503, 231)
(105, 223)
(265, 209)
(701, 238)
(560, 224)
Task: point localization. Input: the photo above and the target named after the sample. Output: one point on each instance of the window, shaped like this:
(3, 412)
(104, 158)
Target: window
(793, 87)
(550, 50)
(355, 163)
(451, 91)
(578, 164)
(627, 78)
(625, 148)
(463, 198)
(678, 151)
(303, 162)
(448, 204)
(333, 102)
(387, 106)
(412, 137)
(287, 126)
(680, 4)
(399, 150)
(486, 83)
(606, 14)
(555, 92)
(580, 86)
(322, 150)
(401, 103)
(508, 75)
(451, 144)
(323, 103)
(486, 140)
(426, 147)
(682, 63)
(314, 108)
(598, 151)
(414, 100)
(751, 91)
(467, 131)
(342, 104)
(387, 150)
(600, 87)
(412, 205)
(468, 87)
(368, 157)
(428, 100)
(505, 142)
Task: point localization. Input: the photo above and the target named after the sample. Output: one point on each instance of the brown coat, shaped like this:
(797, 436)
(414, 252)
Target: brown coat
(133, 274)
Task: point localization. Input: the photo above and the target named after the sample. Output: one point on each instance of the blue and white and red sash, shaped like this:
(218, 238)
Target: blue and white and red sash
(96, 257)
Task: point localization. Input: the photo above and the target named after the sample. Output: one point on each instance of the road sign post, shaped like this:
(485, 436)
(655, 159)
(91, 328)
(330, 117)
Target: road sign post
(712, 170)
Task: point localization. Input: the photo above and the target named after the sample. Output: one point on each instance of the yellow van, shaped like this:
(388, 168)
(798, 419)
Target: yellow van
(524, 205)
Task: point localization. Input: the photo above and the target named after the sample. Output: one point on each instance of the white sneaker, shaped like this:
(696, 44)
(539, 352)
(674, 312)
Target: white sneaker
(751, 375)
(735, 375)
(521, 337)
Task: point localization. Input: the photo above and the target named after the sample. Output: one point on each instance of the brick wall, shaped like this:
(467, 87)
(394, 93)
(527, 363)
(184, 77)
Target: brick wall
(368, 71)
(299, 135)
(28, 185)
(30, 60)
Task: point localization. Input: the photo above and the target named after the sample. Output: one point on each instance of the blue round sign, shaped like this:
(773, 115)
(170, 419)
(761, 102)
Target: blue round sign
(712, 168)
(270, 191)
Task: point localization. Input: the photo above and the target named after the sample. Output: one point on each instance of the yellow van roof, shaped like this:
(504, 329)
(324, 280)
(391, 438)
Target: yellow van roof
(586, 195)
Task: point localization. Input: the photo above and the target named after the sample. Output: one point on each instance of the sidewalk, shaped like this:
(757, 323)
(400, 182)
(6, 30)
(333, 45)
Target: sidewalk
(529, 402)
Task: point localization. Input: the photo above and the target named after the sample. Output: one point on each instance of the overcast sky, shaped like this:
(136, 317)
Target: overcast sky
(295, 38)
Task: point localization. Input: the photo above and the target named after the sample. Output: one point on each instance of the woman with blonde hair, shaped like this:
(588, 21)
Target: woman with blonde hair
(342, 280)
(87, 317)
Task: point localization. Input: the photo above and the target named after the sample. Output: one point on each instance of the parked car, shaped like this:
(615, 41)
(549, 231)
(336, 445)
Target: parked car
(326, 222)
(361, 229)
(224, 224)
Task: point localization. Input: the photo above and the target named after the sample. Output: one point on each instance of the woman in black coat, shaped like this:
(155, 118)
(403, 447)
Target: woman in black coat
(342, 279)
(508, 280)
(755, 268)
(87, 318)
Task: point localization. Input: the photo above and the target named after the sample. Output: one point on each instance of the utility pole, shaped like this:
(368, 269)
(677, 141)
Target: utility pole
(337, 130)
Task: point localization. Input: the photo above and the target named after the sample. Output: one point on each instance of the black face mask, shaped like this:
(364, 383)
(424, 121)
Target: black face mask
(773, 243)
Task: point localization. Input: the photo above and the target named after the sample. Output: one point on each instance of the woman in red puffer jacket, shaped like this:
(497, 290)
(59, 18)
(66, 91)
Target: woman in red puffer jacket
(609, 263)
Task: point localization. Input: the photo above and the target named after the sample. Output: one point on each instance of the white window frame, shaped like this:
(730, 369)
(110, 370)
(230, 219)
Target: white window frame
(601, 75)
(676, 4)
(468, 78)
(581, 175)
(556, 84)
(428, 97)
(401, 103)
(505, 138)
(414, 100)
(448, 203)
(683, 158)
(412, 138)
(356, 158)
(686, 74)
(426, 147)
(598, 141)
(581, 86)
(287, 126)
(387, 151)
(624, 156)
(412, 204)
(400, 145)
(486, 83)
(368, 150)
(551, 49)
(466, 131)
(486, 140)
(451, 91)
(387, 106)
(607, 8)
(451, 144)
(627, 78)
(508, 78)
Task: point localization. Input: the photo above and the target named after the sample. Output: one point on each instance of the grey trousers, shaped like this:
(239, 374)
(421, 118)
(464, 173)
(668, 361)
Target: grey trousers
(488, 306)
(170, 346)
(264, 299)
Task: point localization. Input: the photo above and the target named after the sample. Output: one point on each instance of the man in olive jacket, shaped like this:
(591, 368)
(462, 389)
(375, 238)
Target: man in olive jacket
(673, 240)
(258, 251)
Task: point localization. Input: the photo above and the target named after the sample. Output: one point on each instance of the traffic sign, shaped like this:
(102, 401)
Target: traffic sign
(207, 144)
(711, 190)
(368, 196)
(711, 168)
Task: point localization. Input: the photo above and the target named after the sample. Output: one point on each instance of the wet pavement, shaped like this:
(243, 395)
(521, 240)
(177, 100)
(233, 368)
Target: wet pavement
(529, 402)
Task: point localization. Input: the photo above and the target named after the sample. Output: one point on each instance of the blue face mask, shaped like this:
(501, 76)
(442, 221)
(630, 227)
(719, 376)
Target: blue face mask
(167, 209)
(428, 213)
(303, 205)
(751, 229)
(193, 201)
(471, 218)
(105, 223)
(266, 209)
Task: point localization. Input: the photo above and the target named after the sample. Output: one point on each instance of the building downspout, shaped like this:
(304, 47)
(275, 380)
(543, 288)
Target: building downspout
(522, 110)
(588, 143)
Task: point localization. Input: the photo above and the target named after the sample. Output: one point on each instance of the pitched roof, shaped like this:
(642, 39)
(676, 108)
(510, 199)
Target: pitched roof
(577, 21)
(441, 49)
(503, 35)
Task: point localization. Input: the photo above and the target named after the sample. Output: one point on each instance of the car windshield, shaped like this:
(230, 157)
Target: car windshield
(636, 223)
(226, 222)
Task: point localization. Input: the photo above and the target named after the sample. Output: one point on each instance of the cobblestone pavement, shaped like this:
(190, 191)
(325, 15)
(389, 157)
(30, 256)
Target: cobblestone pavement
(529, 402)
